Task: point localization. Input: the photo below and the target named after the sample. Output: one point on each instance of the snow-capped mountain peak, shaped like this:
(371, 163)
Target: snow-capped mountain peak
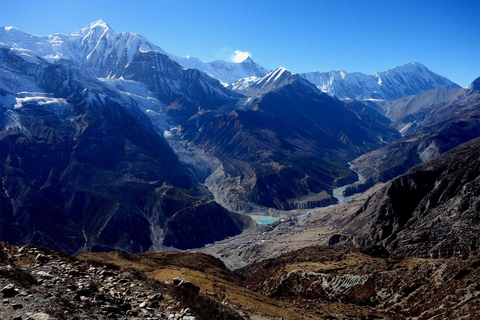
(254, 86)
(99, 24)
(99, 45)
(96, 46)
(407, 79)
(276, 75)
(224, 71)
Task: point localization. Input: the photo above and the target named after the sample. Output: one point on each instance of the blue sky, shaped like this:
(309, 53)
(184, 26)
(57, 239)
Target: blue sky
(301, 36)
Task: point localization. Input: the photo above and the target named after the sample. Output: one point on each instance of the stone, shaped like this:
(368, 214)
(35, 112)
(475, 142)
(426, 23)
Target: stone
(112, 309)
(72, 287)
(41, 258)
(177, 281)
(44, 275)
(6, 268)
(125, 307)
(156, 297)
(9, 291)
(16, 306)
(39, 316)
(100, 297)
(180, 282)
(132, 313)
(74, 273)
(143, 304)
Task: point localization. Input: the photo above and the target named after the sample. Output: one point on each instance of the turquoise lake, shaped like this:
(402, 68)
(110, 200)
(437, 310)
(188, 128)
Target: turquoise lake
(268, 220)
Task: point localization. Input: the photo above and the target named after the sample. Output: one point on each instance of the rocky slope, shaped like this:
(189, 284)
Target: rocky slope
(38, 284)
(83, 168)
(430, 211)
(431, 130)
(399, 108)
(408, 79)
(443, 288)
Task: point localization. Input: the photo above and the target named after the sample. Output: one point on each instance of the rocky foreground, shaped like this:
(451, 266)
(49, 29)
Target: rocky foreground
(318, 282)
(38, 284)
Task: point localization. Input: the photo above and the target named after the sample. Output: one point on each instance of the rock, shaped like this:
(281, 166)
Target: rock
(42, 258)
(112, 309)
(156, 297)
(6, 268)
(72, 287)
(16, 306)
(125, 307)
(44, 275)
(73, 273)
(143, 304)
(132, 313)
(111, 316)
(17, 318)
(39, 316)
(100, 297)
(180, 282)
(87, 291)
(188, 318)
(9, 291)
(5, 301)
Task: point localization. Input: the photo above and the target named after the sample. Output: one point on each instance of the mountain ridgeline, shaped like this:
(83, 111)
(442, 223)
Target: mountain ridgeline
(107, 142)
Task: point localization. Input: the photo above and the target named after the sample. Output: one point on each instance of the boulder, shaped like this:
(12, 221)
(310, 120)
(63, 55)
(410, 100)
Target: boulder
(9, 291)
(180, 282)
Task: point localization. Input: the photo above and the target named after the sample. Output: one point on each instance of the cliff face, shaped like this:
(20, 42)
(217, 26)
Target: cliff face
(431, 211)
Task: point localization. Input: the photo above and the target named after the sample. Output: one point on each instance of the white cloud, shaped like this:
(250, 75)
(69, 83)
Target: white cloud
(239, 56)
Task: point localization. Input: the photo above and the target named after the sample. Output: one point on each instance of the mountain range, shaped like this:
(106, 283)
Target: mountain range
(408, 79)
(110, 143)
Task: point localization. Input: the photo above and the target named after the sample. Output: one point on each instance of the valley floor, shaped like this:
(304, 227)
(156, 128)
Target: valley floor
(296, 229)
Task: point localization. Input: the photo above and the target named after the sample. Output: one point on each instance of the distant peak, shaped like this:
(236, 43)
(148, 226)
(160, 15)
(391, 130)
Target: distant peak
(277, 74)
(474, 86)
(409, 65)
(416, 64)
(99, 24)
(281, 70)
(10, 28)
